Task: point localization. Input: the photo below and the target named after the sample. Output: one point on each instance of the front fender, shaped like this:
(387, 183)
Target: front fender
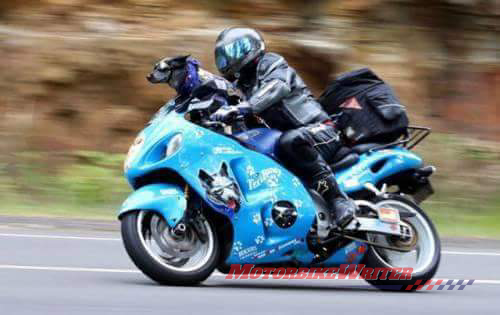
(166, 199)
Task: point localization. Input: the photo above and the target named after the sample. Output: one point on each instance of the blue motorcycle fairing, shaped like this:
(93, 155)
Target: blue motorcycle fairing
(373, 167)
(166, 199)
(261, 182)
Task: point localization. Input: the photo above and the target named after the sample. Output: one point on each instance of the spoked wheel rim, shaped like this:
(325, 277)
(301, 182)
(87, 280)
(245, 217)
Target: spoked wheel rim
(423, 244)
(184, 252)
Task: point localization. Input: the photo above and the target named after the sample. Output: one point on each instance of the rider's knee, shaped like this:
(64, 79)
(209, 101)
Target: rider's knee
(291, 140)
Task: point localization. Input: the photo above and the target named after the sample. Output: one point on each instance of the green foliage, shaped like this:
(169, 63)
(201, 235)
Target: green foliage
(465, 215)
(101, 158)
(480, 153)
(90, 184)
(83, 178)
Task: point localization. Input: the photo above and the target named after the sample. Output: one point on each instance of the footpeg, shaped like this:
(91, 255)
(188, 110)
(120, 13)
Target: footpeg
(323, 223)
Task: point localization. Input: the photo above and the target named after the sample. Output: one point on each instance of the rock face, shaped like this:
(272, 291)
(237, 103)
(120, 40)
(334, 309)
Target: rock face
(72, 72)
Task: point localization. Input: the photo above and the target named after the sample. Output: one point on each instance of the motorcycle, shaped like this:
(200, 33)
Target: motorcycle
(208, 195)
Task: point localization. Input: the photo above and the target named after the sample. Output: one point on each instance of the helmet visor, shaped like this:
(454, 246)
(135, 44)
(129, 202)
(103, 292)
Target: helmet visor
(228, 55)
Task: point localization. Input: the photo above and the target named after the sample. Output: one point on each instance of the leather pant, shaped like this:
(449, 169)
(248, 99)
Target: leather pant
(306, 151)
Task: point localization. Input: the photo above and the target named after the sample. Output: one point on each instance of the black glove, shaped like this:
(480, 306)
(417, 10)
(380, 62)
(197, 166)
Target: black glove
(224, 113)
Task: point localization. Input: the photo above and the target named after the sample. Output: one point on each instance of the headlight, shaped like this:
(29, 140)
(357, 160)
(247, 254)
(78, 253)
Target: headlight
(132, 152)
(174, 145)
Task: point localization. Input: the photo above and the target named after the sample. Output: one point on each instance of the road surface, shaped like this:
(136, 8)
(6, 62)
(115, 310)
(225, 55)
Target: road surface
(62, 267)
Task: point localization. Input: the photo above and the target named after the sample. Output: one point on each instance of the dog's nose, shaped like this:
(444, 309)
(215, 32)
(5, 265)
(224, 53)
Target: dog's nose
(149, 77)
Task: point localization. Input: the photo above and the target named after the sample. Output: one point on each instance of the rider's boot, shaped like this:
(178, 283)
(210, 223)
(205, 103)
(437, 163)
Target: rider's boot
(341, 207)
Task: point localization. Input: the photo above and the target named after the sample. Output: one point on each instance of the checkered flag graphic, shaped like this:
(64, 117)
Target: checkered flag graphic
(439, 284)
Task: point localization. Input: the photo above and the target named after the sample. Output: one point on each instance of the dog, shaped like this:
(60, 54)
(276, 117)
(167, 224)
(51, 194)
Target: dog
(185, 76)
(221, 189)
(172, 71)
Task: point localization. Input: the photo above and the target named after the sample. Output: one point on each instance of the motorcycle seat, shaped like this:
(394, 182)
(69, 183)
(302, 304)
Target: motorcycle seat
(348, 160)
(364, 147)
(346, 156)
(340, 154)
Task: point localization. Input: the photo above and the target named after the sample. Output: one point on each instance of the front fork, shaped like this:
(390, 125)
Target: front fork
(194, 214)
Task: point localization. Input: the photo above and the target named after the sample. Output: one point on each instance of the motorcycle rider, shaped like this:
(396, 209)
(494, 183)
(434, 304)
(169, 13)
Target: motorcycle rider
(277, 94)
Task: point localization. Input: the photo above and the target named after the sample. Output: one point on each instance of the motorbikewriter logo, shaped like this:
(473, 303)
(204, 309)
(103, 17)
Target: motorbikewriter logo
(344, 272)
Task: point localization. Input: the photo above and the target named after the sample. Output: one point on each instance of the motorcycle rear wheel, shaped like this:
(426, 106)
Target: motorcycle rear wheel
(166, 257)
(427, 251)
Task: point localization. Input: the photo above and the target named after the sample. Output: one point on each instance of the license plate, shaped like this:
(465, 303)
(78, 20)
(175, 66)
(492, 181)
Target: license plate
(388, 215)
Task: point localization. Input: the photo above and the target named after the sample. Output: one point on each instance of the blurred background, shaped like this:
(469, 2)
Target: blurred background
(73, 92)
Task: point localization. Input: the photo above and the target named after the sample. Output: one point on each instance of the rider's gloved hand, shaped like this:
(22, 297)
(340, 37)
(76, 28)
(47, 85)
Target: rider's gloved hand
(244, 108)
(224, 113)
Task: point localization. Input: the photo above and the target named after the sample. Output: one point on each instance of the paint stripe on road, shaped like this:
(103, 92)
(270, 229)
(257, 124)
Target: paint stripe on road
(84, 269)
(87, 238)
(77, 269)
(215, 274)
(448, 252)
(62, 237)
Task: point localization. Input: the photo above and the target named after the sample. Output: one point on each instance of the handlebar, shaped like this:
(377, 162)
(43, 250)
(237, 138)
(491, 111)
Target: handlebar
(213, 123)
(230, 123)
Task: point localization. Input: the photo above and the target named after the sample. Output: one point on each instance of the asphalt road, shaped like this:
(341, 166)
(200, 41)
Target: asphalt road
(63, 267)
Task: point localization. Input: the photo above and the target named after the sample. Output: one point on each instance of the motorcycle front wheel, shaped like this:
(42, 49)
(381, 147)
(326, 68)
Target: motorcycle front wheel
(183, 256)
(425, 253)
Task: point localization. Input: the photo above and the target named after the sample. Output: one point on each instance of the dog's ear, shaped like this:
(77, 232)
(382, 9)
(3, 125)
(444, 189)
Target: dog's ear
(205, 178)
(178, 61)
(223, 170)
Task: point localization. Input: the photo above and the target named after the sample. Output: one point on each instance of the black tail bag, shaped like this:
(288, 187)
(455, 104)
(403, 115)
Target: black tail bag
(369, 110)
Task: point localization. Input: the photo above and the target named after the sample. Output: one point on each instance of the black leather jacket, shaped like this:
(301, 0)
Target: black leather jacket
(277, 94)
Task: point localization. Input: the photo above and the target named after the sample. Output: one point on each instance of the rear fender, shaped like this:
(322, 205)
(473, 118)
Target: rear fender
(166, 199)
(374, 167)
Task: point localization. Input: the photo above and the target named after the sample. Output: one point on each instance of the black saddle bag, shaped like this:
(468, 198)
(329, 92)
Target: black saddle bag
(366, 107)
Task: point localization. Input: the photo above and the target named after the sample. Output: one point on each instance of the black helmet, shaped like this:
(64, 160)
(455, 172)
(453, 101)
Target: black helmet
(235, 48)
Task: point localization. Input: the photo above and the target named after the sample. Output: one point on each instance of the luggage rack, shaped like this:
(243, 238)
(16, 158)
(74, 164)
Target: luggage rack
(414, 135)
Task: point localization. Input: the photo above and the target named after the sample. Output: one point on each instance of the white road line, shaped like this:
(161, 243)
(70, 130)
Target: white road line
(447, 252)
(65, 237)
(68, 269)
(81, 269)
(215, 274)
(62, 237)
